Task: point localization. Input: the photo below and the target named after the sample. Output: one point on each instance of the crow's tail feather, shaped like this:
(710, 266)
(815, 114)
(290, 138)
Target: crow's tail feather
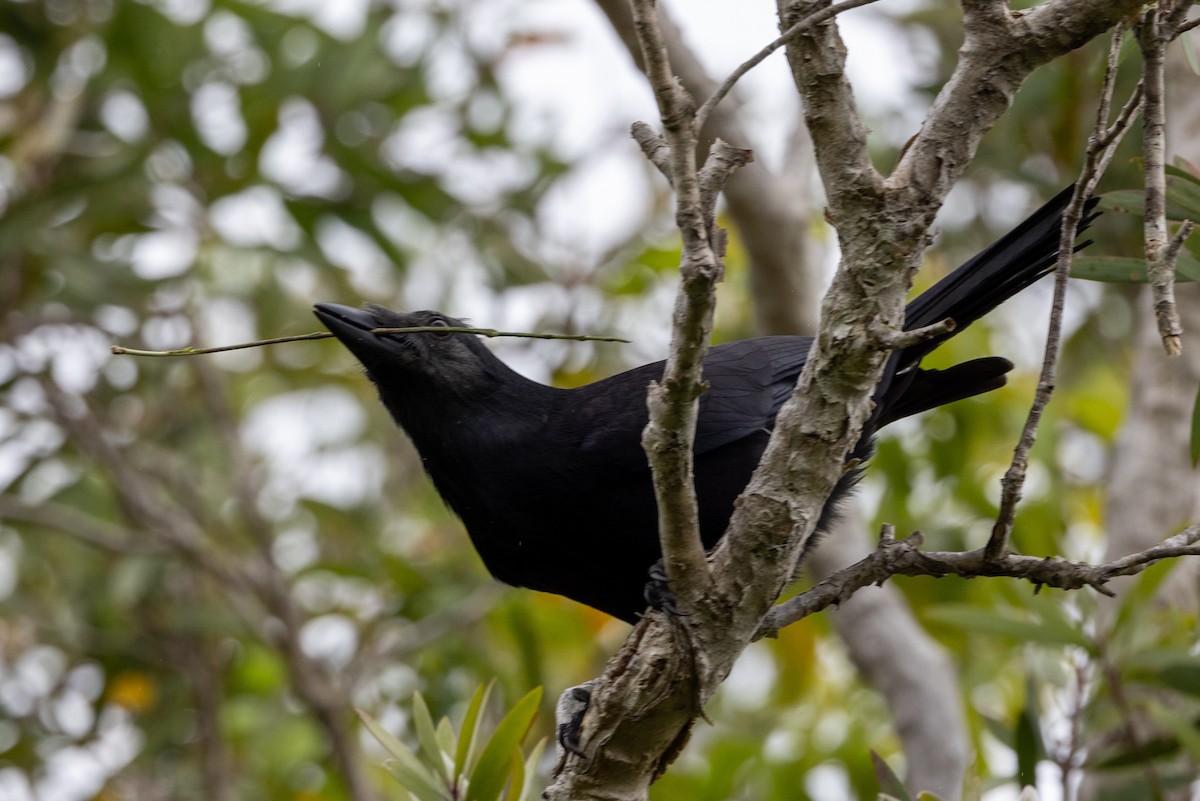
(995, 274)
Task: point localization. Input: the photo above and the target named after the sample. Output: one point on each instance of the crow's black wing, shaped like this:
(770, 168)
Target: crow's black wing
(747, 383)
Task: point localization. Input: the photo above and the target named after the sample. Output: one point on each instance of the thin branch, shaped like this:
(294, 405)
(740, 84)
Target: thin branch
(1108, 86)
(644, 706)
(723, 161)
(1000, 51)
(813, 19)
(771, 209)
(83, 527)
(419, 329)
(817, 58)
(655, 146)
(897, 339)
(669, 435)
(1187, 27)
(1154, 32)
(1102, 143)
(904, 557)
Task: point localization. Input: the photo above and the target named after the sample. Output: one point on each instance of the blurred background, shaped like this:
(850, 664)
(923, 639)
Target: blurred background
(206, 564)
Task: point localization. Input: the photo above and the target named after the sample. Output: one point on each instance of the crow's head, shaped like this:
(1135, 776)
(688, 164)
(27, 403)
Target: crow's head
(447, 364)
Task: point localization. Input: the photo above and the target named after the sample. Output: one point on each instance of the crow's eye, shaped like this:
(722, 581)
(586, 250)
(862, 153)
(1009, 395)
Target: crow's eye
(438, 321)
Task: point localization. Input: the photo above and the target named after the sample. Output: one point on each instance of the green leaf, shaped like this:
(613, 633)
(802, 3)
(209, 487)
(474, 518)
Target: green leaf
(516, 770)
(1029, 747)
(466, 736)
(1181, 676)
(427, 736)
(1185, 731)
(998, 729)
(446, 738)
(1110, 269)
(1187, 268)
(494, 766)
(389, 741)
(405, 766)
(1183, 198)
(416, 782)
(1183, 172)
(1140, 595)
(1126, 201)
(1129, 270)
(890, 785)
(530, 791)
(1008, 623)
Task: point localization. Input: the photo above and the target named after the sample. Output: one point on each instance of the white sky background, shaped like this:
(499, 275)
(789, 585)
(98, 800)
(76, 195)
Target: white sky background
(581, 95)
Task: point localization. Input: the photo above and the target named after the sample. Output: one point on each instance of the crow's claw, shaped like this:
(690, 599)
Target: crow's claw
(572, 706)
(658, 593)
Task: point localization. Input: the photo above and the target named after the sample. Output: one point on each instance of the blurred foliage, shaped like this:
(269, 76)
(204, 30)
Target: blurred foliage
(180, 171)
(467, 764)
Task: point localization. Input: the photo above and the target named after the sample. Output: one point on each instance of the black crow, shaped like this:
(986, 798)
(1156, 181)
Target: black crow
(553, 485)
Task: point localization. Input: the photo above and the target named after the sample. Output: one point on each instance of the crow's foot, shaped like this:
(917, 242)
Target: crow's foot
(568, 714)
(658, 592)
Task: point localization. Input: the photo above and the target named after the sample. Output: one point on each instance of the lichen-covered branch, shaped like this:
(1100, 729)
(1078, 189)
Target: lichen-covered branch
(905, 558)
(673, 402)
(1000, 50)
(1156, 29)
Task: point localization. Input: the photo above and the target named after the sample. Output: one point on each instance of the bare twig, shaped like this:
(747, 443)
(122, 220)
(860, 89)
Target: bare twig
(816, 18)
(80, 525)
(1155, 30)
(723, 160)
(896, 339)
(771, 209)
(663, 662)
(655, 146)
(673, 402)
(904, 557)
(1102, 143)
(419, 329)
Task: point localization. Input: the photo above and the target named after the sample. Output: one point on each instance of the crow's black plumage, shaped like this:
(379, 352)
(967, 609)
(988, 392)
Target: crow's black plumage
(553, 485)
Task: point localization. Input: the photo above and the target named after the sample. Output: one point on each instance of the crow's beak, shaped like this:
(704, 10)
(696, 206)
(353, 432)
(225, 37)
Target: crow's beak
(353, 328)
(337, 317)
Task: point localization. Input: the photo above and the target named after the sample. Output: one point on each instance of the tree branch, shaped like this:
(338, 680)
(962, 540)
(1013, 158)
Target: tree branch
(817, 57)
(904, 557)
(813, 19)
(1156, 29)
(999, 52)
(648, 696)
(771, 211)
(668, 436)
(1102, 144)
